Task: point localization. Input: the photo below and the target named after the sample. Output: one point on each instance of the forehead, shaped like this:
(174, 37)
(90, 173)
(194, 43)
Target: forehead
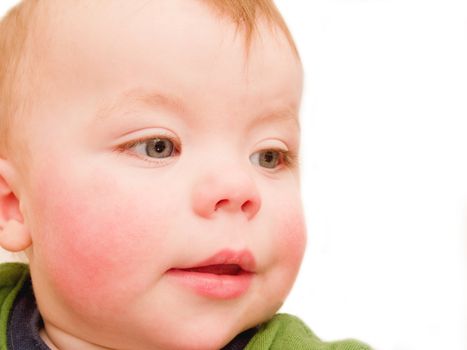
(180, 48)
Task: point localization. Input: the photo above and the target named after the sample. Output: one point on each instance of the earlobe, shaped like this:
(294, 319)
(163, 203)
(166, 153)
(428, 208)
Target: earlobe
(14, 235)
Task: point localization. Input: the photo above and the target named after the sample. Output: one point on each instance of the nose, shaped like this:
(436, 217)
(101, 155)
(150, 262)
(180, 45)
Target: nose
(226, 191)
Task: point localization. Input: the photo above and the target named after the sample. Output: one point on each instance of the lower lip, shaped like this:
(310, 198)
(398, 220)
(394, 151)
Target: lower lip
(212, 285)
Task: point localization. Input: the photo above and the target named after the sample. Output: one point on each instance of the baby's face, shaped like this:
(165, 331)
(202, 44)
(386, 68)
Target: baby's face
(157, 147)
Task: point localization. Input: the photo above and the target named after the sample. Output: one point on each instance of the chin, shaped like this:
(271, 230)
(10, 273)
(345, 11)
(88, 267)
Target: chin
(214, 336)
(207, 341)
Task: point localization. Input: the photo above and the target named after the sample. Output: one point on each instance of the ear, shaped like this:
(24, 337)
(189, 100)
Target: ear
(14, 235)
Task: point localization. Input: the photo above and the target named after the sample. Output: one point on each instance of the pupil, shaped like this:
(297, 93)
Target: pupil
(159, 146)
(268, 157)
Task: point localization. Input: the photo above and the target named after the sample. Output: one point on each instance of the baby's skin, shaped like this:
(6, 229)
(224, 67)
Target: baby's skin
(158, 146)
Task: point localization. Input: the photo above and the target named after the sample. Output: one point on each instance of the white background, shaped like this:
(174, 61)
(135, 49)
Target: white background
(384, 160)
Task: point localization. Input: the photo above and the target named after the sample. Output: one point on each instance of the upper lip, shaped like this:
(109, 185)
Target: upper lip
(243, 258)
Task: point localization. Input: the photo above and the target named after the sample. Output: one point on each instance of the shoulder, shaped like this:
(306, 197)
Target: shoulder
(12, 278)
(11, 273)
(285, 331)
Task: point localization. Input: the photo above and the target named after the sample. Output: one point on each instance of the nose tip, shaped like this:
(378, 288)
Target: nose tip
(233, 195)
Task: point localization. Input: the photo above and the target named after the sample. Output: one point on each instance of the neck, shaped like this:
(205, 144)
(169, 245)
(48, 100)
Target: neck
(58, 339)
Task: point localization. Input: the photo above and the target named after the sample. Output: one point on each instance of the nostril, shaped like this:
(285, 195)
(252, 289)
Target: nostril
(251, 207)
(247, 206)
(221, 203)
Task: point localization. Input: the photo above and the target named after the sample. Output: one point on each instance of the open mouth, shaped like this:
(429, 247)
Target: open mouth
(219, 269)
(225, 275)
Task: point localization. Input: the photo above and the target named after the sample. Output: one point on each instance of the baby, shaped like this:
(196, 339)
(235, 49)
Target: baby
(149, 171)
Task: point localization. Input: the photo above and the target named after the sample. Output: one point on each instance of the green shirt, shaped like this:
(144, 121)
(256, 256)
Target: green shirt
(282, 332)
(286, 332)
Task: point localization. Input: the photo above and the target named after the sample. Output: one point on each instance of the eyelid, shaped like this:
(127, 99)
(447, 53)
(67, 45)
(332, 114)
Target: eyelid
(271, 143)
(146, 134)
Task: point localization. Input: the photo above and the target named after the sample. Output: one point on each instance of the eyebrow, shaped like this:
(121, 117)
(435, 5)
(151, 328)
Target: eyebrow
(287, 114)
(138, 96)
(175, 104)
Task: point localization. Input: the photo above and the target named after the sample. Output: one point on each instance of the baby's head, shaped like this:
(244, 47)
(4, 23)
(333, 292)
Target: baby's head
(142, 140)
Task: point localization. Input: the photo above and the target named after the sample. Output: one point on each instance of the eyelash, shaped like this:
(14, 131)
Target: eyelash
(288, 158)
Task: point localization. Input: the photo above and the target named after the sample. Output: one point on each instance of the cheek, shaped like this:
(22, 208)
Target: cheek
(295, 243)
(289, 231)
(97, 232)
(291, 238)
(288, 246)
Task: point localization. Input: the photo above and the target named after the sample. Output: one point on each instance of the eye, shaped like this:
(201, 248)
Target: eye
(158, 147)
(269, 159)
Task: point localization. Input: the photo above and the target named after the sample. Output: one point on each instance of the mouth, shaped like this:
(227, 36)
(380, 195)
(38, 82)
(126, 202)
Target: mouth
(219, 269)
(226, 275)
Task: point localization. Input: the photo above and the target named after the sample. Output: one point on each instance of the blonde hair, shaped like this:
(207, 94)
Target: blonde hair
(15, 30)
(16, 53)
(244, 13)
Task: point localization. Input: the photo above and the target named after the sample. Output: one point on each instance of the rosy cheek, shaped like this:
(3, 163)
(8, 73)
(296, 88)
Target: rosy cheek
(289, 246)
(291, 238)
(93, 237)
